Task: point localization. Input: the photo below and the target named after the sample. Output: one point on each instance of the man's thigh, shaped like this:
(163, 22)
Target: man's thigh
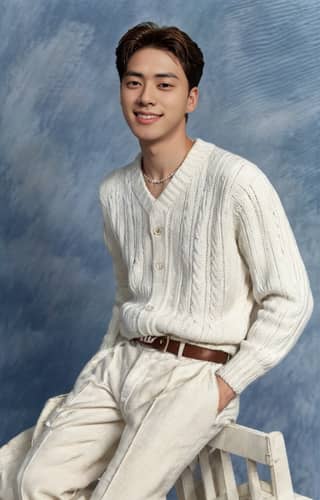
(171, 414)
(79, 436)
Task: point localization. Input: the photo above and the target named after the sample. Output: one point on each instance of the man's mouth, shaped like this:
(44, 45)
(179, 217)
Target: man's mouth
(146, 118)
(146, 115)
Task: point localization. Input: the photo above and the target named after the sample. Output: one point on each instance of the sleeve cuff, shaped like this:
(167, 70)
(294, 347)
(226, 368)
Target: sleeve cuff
(240, 371)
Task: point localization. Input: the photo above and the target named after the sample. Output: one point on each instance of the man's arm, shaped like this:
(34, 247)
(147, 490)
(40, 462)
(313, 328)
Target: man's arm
(280, 283)
(119, 271)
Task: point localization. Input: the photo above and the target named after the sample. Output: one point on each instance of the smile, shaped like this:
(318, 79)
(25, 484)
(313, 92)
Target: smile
(146, 118)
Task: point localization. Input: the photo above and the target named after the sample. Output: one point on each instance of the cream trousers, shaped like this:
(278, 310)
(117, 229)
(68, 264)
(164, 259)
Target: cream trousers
(135, 418)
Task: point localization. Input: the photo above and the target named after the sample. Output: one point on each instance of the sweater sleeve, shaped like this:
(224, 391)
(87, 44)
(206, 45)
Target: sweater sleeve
(120, 274)
(279, 281)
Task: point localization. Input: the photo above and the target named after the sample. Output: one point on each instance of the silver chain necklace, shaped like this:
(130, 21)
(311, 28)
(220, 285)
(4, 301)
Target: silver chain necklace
(160, 181)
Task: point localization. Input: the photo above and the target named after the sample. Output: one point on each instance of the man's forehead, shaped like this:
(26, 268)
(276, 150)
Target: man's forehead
(154, 61)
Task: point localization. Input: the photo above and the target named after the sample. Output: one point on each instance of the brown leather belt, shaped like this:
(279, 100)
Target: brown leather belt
(165, 344)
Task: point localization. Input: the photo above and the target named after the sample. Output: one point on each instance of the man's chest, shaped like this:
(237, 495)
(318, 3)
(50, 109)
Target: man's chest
(183, 232)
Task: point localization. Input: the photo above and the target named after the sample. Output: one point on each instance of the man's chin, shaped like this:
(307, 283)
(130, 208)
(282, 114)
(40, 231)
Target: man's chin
(148, 138)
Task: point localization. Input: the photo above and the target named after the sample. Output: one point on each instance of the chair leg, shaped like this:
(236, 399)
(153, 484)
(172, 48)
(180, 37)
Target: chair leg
(185, 486)
(223, 475)
(206, 474)
(253, 480)
(279, 468)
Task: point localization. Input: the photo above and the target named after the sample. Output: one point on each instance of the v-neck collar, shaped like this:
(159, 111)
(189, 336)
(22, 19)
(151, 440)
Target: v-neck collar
(178, 183)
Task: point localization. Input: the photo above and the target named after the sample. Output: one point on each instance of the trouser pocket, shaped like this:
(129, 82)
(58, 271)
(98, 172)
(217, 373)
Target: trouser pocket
(50, 407)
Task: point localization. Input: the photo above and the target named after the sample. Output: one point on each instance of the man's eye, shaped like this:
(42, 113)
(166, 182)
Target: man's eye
(132, 83)
(165, 85)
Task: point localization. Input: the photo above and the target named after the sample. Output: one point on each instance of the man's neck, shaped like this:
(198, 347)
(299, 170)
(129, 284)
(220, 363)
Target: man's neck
(161, 158)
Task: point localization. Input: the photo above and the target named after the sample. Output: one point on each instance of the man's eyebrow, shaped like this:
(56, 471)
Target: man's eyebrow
(157, 75)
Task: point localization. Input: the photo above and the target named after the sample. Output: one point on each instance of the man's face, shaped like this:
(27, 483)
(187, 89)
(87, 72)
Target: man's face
(154, 95)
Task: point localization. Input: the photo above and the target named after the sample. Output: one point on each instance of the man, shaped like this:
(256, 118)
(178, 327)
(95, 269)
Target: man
(211, 293)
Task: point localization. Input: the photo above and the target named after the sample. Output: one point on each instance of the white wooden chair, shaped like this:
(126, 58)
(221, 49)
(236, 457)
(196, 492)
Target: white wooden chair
(217, 479)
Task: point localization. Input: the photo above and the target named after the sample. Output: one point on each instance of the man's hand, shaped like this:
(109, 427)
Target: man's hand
(226, 393)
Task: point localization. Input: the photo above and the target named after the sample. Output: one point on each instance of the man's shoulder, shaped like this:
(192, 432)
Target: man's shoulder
(115, 179)
(233, 167)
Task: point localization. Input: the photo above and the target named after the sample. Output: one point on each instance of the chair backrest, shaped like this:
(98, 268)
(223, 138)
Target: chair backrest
(217, 479)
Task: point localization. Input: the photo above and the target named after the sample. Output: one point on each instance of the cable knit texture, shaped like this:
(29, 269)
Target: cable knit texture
(212, 261)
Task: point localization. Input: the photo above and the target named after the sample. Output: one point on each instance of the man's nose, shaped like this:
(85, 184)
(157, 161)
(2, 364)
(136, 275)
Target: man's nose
(147, 95)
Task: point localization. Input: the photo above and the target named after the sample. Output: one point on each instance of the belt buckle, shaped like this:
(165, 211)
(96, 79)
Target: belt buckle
(148, 339)
(166, 344)
(229, 356)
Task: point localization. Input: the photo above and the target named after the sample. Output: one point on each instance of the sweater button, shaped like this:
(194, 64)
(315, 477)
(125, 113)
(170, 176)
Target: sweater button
(149, 307)
(157, 231)
(159, 266)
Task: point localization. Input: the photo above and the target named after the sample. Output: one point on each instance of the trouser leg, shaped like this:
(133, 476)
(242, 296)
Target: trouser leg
(79, 440)
(135, 419)
(169, 418)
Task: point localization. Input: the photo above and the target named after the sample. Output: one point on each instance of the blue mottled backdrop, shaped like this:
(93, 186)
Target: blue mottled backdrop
(61, 131)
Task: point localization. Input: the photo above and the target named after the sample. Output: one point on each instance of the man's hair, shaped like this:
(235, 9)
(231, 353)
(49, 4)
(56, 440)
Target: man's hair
(170, 38)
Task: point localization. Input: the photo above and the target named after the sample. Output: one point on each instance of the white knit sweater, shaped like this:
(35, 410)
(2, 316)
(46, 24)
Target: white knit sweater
(212, 260)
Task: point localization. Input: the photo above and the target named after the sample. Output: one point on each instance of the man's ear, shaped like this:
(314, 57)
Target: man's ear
(193, 98)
